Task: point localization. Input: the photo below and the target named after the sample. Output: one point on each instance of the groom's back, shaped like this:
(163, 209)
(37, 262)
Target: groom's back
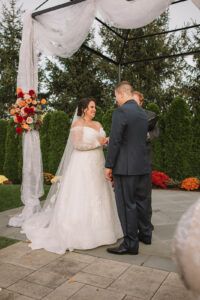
(133, 156)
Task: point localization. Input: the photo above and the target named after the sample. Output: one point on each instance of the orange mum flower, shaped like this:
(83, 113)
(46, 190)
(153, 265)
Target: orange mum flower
(43, 101)
(190, 184)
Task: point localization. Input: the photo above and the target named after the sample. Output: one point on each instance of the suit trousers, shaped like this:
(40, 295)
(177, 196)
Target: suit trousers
(132, 199)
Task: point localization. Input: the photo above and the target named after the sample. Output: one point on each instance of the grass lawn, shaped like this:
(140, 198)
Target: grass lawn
(5, 242)
(10, 196)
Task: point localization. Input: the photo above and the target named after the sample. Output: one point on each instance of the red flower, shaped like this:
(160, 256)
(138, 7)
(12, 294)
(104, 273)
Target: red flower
(19, 119)
(29, 110)
(32, 93)
(19, 130)
(160, 179)
(20, 95)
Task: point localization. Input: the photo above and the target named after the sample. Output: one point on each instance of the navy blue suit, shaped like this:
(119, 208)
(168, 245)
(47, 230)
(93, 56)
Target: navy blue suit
(129, 160)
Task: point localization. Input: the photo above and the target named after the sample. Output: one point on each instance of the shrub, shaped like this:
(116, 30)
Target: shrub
(58, 134)
(12, 154)
(45, 141)
(3, 131)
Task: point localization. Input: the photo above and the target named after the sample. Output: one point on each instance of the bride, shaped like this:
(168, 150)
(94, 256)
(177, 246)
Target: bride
(80, 210)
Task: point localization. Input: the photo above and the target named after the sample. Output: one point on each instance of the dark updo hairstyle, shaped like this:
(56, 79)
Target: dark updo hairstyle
(83, 104)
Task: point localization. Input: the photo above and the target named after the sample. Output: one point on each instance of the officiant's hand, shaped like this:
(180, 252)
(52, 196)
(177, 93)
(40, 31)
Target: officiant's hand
(108, 174)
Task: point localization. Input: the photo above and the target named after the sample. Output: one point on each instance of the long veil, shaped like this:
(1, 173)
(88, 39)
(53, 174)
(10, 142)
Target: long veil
(53, 192)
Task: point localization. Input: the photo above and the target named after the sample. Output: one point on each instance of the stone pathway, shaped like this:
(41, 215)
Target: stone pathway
(96, 274)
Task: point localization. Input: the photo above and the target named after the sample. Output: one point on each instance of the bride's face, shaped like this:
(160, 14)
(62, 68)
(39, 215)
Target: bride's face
(90, 111)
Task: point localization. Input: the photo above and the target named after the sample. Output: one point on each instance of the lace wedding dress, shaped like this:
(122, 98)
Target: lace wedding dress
(82, 213)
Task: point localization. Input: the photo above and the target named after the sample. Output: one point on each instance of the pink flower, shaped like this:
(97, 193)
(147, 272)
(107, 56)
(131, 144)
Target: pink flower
(29, 120)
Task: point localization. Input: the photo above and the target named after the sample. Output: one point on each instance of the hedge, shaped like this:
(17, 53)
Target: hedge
(3, 131)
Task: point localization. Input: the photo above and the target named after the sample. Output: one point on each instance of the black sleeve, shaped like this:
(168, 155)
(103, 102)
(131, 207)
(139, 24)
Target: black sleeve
(116, 135)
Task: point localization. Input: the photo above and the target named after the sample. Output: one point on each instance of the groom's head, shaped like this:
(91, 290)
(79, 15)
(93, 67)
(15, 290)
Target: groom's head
(123, 92)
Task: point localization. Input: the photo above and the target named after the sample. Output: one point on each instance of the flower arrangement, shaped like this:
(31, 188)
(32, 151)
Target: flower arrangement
(27, 111)
(3, 179)
(190, 184)
(160, 179)
(48, 177)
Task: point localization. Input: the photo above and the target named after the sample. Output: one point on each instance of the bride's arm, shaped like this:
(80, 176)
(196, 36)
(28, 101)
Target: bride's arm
(79, 143)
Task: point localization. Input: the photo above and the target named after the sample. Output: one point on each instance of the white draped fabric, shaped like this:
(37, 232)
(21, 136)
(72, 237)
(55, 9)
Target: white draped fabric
(32, 183)
(61, 32)
(131, 14)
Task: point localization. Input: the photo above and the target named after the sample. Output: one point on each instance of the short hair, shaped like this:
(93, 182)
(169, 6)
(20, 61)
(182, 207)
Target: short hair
(124, 86)
(140, 96)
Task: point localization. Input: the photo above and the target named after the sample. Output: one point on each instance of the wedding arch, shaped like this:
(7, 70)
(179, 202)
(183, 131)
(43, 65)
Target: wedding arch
(60, 31)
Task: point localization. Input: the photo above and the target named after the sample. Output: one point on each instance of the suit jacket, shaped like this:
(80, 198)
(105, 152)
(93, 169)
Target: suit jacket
(127, 149)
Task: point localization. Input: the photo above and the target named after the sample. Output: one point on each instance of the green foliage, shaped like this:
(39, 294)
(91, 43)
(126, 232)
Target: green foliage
(10, 39)
(10, 196)
(178, 138)
(107, 120)
(3, 131)
(5, 242)
(153, 107)
(58, 134)
(195, 155)
(45, 141)
(12, 149)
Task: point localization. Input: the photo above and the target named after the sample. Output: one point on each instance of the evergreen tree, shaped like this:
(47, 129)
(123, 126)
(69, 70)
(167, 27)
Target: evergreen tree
(158, 80)
(58, 134)
(69, 80)
(178, 140)
(3, 131)
(12, 155)
(45, 141)
(10, 37)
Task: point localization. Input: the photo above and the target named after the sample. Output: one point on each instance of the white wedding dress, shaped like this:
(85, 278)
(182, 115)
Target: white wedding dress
(82, 213)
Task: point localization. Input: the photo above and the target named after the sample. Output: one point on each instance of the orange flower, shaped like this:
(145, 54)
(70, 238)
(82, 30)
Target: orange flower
(12, 111)
(25, 126)
(190, 184)
(19, 90)
(21, 103)
(43, 101)
(34, 102)
(29, 100)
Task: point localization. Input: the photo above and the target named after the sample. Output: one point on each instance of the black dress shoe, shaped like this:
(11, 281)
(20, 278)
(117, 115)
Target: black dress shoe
(122, 250)
(145, 239)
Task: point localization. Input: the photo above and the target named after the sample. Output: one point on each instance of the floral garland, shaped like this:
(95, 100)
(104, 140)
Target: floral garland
(27, 111)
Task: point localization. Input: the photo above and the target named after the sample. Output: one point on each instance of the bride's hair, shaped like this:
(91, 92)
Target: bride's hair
(83, 104)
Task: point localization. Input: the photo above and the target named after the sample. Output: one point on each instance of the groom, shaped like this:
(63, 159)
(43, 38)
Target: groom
(127, 163)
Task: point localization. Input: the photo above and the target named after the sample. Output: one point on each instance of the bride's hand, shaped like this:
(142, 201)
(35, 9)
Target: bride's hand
(103, 141)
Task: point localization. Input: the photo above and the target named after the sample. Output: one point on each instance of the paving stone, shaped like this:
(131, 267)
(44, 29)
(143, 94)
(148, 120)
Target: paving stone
(65, 267)
(85, 258)
(30, 289)
(49, 279)
(14, 252)
(130, 259)
(131, 298)
(7, 295)
(107, 268)
(92, 293)
(64, 291)
(157, 248)
(162, 263)
(9, 274)
(173, 279)
(92, 279)
(35, 259)
(139, 282)
(172, 293)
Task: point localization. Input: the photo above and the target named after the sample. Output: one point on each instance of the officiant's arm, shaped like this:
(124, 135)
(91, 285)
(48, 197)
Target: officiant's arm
(116, 136)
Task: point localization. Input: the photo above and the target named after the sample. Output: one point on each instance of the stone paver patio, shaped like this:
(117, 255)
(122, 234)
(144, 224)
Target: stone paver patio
(96, 274)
